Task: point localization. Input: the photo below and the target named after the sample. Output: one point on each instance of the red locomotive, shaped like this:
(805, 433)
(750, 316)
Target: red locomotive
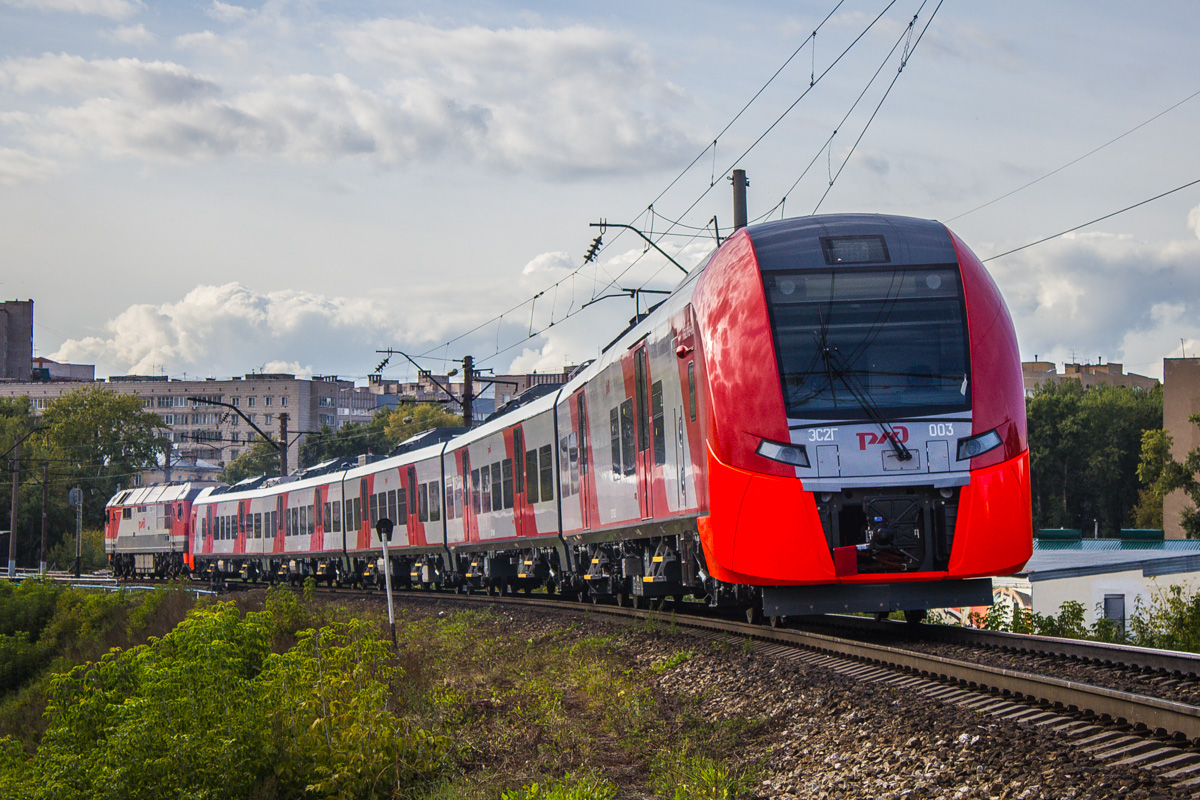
(827, 415)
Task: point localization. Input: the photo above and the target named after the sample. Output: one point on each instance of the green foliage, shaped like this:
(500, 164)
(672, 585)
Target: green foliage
(1172, 622)
(348, 441)
(1152, 473)
(1069, 623)
(101, 438)
(92, 555)
(262, 458)
(1161, 474)
(209, 711)
(1084, 449)
(683, 774)
(409, 420)
(570, 788)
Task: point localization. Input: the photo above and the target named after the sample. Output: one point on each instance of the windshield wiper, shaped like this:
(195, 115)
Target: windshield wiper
(835, 368)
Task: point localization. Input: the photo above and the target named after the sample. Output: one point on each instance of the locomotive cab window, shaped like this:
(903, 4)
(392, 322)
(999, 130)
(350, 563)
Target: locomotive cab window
(853, 341)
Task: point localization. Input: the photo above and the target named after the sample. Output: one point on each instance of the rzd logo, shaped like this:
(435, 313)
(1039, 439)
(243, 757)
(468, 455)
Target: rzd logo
(899, 434)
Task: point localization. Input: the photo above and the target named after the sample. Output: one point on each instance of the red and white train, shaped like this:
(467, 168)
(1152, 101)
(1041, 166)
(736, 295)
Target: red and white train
(827, 415)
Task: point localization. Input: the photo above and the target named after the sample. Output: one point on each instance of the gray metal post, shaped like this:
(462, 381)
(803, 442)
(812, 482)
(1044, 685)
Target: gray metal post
(78, 532)
(283, 445)
(739, 198)
(45, 502)
(387, 578)
(468, 390)
(12, 525)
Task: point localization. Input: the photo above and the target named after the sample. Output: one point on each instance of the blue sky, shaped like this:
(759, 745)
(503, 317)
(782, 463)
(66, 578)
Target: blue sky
(212, 188)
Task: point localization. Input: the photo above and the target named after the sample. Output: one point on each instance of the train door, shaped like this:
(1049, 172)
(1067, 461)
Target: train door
(586, 487)
(522, 508)
(414, 509)
(645, 453)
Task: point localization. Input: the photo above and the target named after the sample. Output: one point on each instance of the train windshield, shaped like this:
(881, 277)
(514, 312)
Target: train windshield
(860, 343)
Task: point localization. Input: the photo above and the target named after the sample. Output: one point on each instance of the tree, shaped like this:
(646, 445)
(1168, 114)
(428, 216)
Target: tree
(1156, 454)
(1085, 447)
(99, 440)
(1161, 474)
(261, 459)
(348, 441)
(407, 421)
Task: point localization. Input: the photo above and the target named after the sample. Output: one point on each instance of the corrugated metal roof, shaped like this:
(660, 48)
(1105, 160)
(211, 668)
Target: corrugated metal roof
(1066, 559)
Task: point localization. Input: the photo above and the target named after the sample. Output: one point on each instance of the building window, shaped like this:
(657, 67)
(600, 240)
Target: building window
(267, 400)
(235, 401)
(283, 400)
(269, 419)
(250, 402)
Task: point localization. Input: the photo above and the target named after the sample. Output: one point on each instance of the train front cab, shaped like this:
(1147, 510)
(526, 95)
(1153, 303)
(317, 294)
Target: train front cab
(894, 473)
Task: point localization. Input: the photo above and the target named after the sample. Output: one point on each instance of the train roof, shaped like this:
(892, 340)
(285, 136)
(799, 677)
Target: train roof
(802, 242)
(156, 493)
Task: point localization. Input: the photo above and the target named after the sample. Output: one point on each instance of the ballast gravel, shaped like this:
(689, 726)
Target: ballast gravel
(821, 735)
(827, 736)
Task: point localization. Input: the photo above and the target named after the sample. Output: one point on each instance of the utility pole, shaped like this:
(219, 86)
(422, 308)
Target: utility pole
(78, 529)
(468, 400)
(739, 198)
(12, 525)
(167, 461)
(283, 445)
(45, 502)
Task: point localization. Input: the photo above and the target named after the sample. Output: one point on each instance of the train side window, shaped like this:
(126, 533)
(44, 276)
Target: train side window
(258, 526)
(531, 475)
(573, 460)
(449, 499)
(401, 507)
(614, 432)
(657, 422)
(337, 516)
(485, 487)
(126, 513)
(391, 504)
(458, 496)
(628, 462)
(373, 509)
(357, 513)
(312, 520)
(423, 502)
(475, 490)
(304, 520)
(319, 522)
(497, 488)
(507, 471)
(546, 469)
(434, 513)
(328, 518)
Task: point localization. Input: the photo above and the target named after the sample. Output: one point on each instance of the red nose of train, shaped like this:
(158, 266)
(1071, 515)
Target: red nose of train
(847, 361)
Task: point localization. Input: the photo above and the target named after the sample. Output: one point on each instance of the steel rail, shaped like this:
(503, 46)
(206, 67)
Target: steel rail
(1172, 662)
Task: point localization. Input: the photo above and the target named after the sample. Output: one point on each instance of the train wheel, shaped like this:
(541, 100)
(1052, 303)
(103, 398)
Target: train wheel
(754, 615)
(491, 590)
(777, 622)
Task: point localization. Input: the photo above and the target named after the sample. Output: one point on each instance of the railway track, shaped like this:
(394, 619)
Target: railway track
(1122, 727)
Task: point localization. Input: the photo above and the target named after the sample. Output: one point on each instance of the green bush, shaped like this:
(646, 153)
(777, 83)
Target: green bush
(208, 711)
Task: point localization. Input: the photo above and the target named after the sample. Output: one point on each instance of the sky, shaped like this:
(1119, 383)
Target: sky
(209, 189)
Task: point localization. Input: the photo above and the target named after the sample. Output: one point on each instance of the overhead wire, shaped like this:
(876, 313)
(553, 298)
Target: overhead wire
(1075, 161)
(612, 281)
(1092, 222)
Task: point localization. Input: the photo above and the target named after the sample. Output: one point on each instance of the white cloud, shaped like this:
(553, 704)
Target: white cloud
(1193, 221)
(132, 34)
(114, 9)
(566, 103)
(17, 168)
(227, 12)
(1096, 295)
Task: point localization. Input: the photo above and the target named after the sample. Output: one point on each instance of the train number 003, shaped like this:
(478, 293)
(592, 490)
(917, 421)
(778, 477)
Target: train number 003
(941, 429)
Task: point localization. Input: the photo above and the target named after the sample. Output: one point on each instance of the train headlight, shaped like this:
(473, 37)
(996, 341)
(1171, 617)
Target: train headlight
(978, 445)
(793, 454)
